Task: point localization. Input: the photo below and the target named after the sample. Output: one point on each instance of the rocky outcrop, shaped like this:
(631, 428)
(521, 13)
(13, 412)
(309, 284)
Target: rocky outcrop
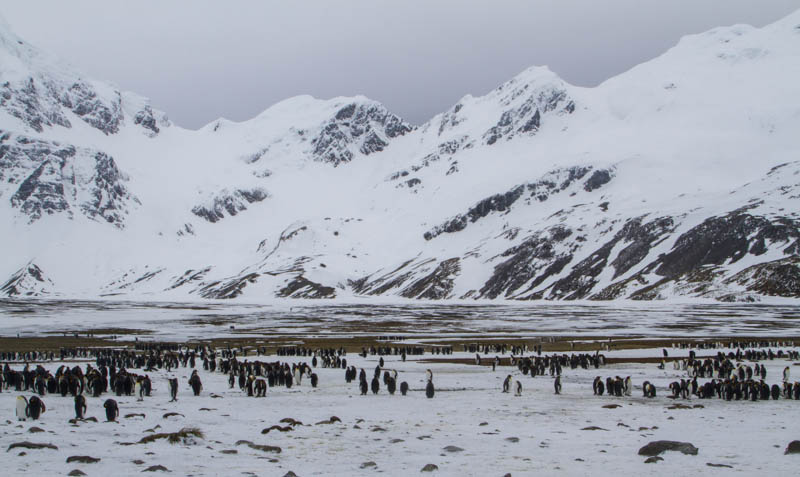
(57, 178)
(438, 284)
(301, 287)
(363, 128)
(527, 102)
(552, 183)
(29, 280)
(530, 263)
(230, 202)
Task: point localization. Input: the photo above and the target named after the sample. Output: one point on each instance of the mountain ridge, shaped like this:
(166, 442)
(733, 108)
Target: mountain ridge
(537, 190)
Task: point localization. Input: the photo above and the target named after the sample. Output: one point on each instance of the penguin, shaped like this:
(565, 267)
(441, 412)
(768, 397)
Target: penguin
(429, 374)
(403, 388)
(628, 386)
(507, 384)
(775, 391)
(391, 386)
(596, 386)
(314, 380)
(112, 410)
(173, 389)
(376, 385)
(23, 412)
(36, 407)
(557, 384)
(139, 390)
(786, 373)
(429, 389)
(80, 406)
(364, 387)
(195, 383)
(517, 388)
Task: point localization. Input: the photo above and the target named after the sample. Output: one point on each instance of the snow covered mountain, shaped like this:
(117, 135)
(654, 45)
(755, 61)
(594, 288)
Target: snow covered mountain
(680, 177)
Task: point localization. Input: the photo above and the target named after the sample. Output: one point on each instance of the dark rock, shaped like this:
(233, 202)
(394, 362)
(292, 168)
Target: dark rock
(34, 430)
(430, 468)
(82, 459)
(653, 460)
(366, 127)
(31, 445)
(597, 180)
(368, 465)
(793, 448)
(453, 449)
(657, 447)
(229, 202)
(156, 468)
(301, 287)
(719, 465)
(437, 285)
(76, 473)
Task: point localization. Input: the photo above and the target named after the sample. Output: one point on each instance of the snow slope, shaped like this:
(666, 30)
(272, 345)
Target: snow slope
(676, 178)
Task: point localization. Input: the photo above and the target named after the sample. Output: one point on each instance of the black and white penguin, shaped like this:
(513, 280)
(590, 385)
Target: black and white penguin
(80, 406)
(314, 380)
(22, 408)
(36, 407)
(507, 384)
(364, 387)
(376, 385)
(786, 373)
(517, 388)
(403, 388)
(173, 389)
(429, 391)
(139, 390)
(195, 383)
(628, 386)
(391, 385)
(557, 384)
(112, 410)
(596, 386)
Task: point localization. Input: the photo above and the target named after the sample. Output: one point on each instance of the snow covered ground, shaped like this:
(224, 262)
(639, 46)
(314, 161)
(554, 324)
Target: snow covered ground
(536, 433)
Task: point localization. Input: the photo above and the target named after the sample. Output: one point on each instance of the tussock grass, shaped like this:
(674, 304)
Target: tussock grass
(173, 437)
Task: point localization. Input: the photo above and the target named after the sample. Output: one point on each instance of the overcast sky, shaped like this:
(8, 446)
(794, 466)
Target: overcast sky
(203, 59)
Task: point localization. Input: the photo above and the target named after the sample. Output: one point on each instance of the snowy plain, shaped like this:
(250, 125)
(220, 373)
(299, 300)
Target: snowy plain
(536, 433)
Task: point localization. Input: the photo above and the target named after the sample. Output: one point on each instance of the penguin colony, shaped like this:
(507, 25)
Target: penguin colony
(728, 376)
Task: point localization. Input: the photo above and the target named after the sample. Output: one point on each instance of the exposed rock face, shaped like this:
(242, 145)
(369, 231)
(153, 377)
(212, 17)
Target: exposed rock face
(24, 102)
(301, 287)
(358, 127)
(554, 182)
(527, 117)
(59, 178)
(640, 238)
(229, 288)
(726, 239)
(526, 101)
(777, 278)
(27, 281)
(105, 115)
(229, 202)
(437, 285)
(147, 119)
(531, 263)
